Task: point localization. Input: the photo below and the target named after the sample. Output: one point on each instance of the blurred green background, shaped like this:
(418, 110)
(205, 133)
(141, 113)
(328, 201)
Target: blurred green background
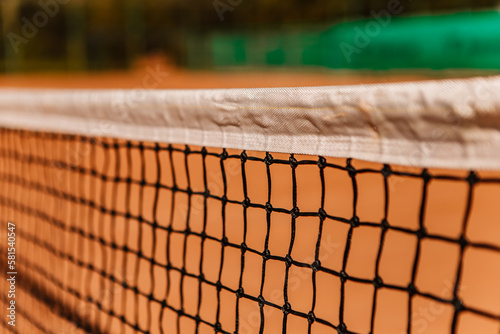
(79, 35)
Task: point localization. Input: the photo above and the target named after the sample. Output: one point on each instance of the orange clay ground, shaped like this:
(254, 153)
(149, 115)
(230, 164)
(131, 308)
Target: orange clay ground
(157, 72)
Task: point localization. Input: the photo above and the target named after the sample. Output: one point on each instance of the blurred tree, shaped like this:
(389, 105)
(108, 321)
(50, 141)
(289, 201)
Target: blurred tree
(10, 23)
(46, 46)
(106, 34)
(134, 29)
(2, 45)
(76, 42)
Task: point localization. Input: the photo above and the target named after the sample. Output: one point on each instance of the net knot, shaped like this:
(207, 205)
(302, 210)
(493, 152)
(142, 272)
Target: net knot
(426, 176)
(240, 292)
(316, 265)
(261, 301)
(322, 214)
(218, 286)
(293, 162)
(244, 247)
(343, 276)
(224, 242)
(295, 212)
(385, 225)
(354, 221)
(268, 159)
(458, 304)
(311, 317)
(224, 200)
(266, 255)
(321, 162)
(386, 171)
(378, 283)
(463, 242)
(288, 260)
(246, 202)
(472, 178)
(224, 155)
(269, 207)
(421, 233)
(243, 157)
(412, 290)
(342, 329)
(286, 308)
(350, 169)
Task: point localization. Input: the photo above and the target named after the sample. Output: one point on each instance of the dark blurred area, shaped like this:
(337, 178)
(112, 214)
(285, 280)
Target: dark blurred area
(79, 35)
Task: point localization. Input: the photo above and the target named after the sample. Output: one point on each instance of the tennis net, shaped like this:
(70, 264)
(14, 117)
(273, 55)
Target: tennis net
(364, 209)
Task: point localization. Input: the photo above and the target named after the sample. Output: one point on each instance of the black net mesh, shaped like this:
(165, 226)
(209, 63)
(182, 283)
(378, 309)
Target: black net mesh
(129, 237)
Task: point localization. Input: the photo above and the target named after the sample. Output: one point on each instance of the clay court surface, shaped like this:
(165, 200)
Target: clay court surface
(157, 73)
(437, 267)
